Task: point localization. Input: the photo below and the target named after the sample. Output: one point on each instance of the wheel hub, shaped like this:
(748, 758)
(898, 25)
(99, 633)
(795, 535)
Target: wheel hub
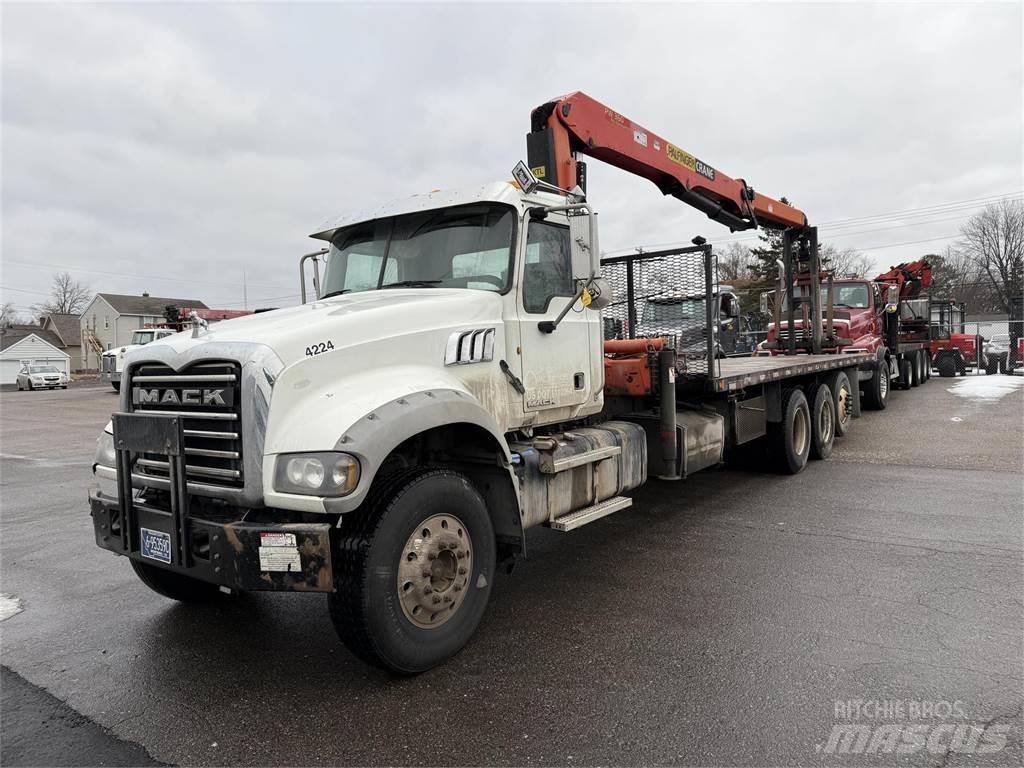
(799, 432)
(844, 405)
(434, 571)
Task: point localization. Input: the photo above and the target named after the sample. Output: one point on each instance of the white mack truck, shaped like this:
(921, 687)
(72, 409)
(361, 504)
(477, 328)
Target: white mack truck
(449, 386)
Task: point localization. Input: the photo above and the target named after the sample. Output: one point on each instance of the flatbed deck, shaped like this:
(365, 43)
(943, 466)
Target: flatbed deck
(738, 372)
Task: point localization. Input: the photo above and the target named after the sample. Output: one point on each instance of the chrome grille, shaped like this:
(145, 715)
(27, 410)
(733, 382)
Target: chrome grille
(208, 398)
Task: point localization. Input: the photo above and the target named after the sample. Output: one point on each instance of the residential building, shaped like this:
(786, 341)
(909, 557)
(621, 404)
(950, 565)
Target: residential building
(110, 318)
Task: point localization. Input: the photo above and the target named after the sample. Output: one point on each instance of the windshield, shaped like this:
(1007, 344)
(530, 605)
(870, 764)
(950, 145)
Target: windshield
(43, 369)
(467, 246)
(142, 337)
(673, 311)
(847, 295)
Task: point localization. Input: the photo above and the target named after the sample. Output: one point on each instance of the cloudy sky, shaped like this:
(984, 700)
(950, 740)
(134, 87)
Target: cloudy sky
(174, 148)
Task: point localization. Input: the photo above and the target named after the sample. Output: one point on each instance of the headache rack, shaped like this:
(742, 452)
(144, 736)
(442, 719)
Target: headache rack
(206, 397)
(670, 294)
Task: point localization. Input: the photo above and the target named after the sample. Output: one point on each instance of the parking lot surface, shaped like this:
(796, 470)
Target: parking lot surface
(725, 620)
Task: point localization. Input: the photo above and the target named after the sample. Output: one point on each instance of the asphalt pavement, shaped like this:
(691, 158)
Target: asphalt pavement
(737, 618)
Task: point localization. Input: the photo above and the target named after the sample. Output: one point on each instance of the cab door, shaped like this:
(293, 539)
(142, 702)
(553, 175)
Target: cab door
(557, 366)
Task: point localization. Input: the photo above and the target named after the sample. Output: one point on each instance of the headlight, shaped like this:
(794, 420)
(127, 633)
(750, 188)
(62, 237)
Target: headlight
(105, 455)
(316, 474)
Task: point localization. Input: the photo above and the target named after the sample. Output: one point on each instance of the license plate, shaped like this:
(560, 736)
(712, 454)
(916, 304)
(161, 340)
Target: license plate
(156, 545)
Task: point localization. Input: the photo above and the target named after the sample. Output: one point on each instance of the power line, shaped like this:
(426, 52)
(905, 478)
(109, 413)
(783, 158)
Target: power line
(877, 218)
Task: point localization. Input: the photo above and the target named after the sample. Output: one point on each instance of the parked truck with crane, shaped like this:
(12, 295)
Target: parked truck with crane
(886, 317)
(448, 387)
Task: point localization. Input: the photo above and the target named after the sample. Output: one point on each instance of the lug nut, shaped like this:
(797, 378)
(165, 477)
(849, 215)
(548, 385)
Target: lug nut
(462, 569)
(447, 598)
(427, 590)
(437, 599)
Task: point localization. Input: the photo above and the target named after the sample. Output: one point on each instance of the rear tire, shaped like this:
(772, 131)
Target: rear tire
(823, 423)
(406, 601)
(842, 396)
(790, 439)
(914, 363)
(905, 369)
(175, 586)
(947, 367)
(876, 394)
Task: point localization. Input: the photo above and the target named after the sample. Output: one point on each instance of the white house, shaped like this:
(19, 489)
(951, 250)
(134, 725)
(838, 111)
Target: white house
(110, 318)
(33, 345)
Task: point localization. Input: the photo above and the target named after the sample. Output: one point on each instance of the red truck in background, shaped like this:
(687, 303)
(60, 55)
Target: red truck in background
(885, 316)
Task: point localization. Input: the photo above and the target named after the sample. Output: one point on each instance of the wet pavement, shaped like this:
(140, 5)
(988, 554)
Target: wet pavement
(731, 619)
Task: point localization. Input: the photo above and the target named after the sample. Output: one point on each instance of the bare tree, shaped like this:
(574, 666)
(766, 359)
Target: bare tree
(67, 296)
(848, 261)
(8, 314)
(734, 262)
(994, 241)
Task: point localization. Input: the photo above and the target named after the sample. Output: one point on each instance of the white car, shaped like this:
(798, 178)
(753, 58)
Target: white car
(41, 377)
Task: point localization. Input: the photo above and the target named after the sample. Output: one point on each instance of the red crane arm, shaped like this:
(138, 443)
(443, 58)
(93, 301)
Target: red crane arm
(912, 277)
(577, 124)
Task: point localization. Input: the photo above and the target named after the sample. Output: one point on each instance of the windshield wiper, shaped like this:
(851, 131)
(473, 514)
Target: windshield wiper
(335, 293)
(411, 284)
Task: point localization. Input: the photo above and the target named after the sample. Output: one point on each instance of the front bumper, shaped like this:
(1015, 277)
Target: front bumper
(240, 555)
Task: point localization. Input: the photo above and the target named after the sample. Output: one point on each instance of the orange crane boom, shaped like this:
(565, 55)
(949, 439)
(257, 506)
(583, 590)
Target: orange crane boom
(577, 124)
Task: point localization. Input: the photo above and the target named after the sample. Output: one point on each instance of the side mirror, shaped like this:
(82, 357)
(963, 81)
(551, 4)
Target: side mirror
(892, 299)
(586, 256)
(732, 308)
(763, 305)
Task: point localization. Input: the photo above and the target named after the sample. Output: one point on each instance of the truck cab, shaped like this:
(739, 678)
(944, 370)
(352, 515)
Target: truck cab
(684, 319)
(858, 307)
(112, 364)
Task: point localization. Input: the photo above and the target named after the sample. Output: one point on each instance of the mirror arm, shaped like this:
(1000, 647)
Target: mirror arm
(548, 326)
(316, 273)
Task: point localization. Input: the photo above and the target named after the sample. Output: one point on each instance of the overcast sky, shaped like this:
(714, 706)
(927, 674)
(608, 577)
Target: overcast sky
(169, 148)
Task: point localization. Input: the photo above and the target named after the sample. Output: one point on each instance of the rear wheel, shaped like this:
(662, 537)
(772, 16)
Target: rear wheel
(176, 586)
(414, 571)
(823, 423)
(876, 394)
(915, 369)
(842, 396)
(790, 439)
(905, 369)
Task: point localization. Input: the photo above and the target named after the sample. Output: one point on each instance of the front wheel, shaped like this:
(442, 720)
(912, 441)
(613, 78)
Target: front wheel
(414, 572)
(116, 385)
(947, 367)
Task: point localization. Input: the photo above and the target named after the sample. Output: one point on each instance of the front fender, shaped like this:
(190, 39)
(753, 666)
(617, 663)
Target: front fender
(367, 415)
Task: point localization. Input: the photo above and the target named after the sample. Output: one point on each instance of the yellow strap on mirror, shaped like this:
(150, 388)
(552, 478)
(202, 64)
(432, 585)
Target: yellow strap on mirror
(586, 297)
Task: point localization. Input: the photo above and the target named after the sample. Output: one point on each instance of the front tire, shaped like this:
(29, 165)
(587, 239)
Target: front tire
(116, 385)
(947, 367)
(414, 571)
(175, 586)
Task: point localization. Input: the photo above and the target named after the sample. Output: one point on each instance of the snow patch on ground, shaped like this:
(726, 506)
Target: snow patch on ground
(9, 606)
(986, 388)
